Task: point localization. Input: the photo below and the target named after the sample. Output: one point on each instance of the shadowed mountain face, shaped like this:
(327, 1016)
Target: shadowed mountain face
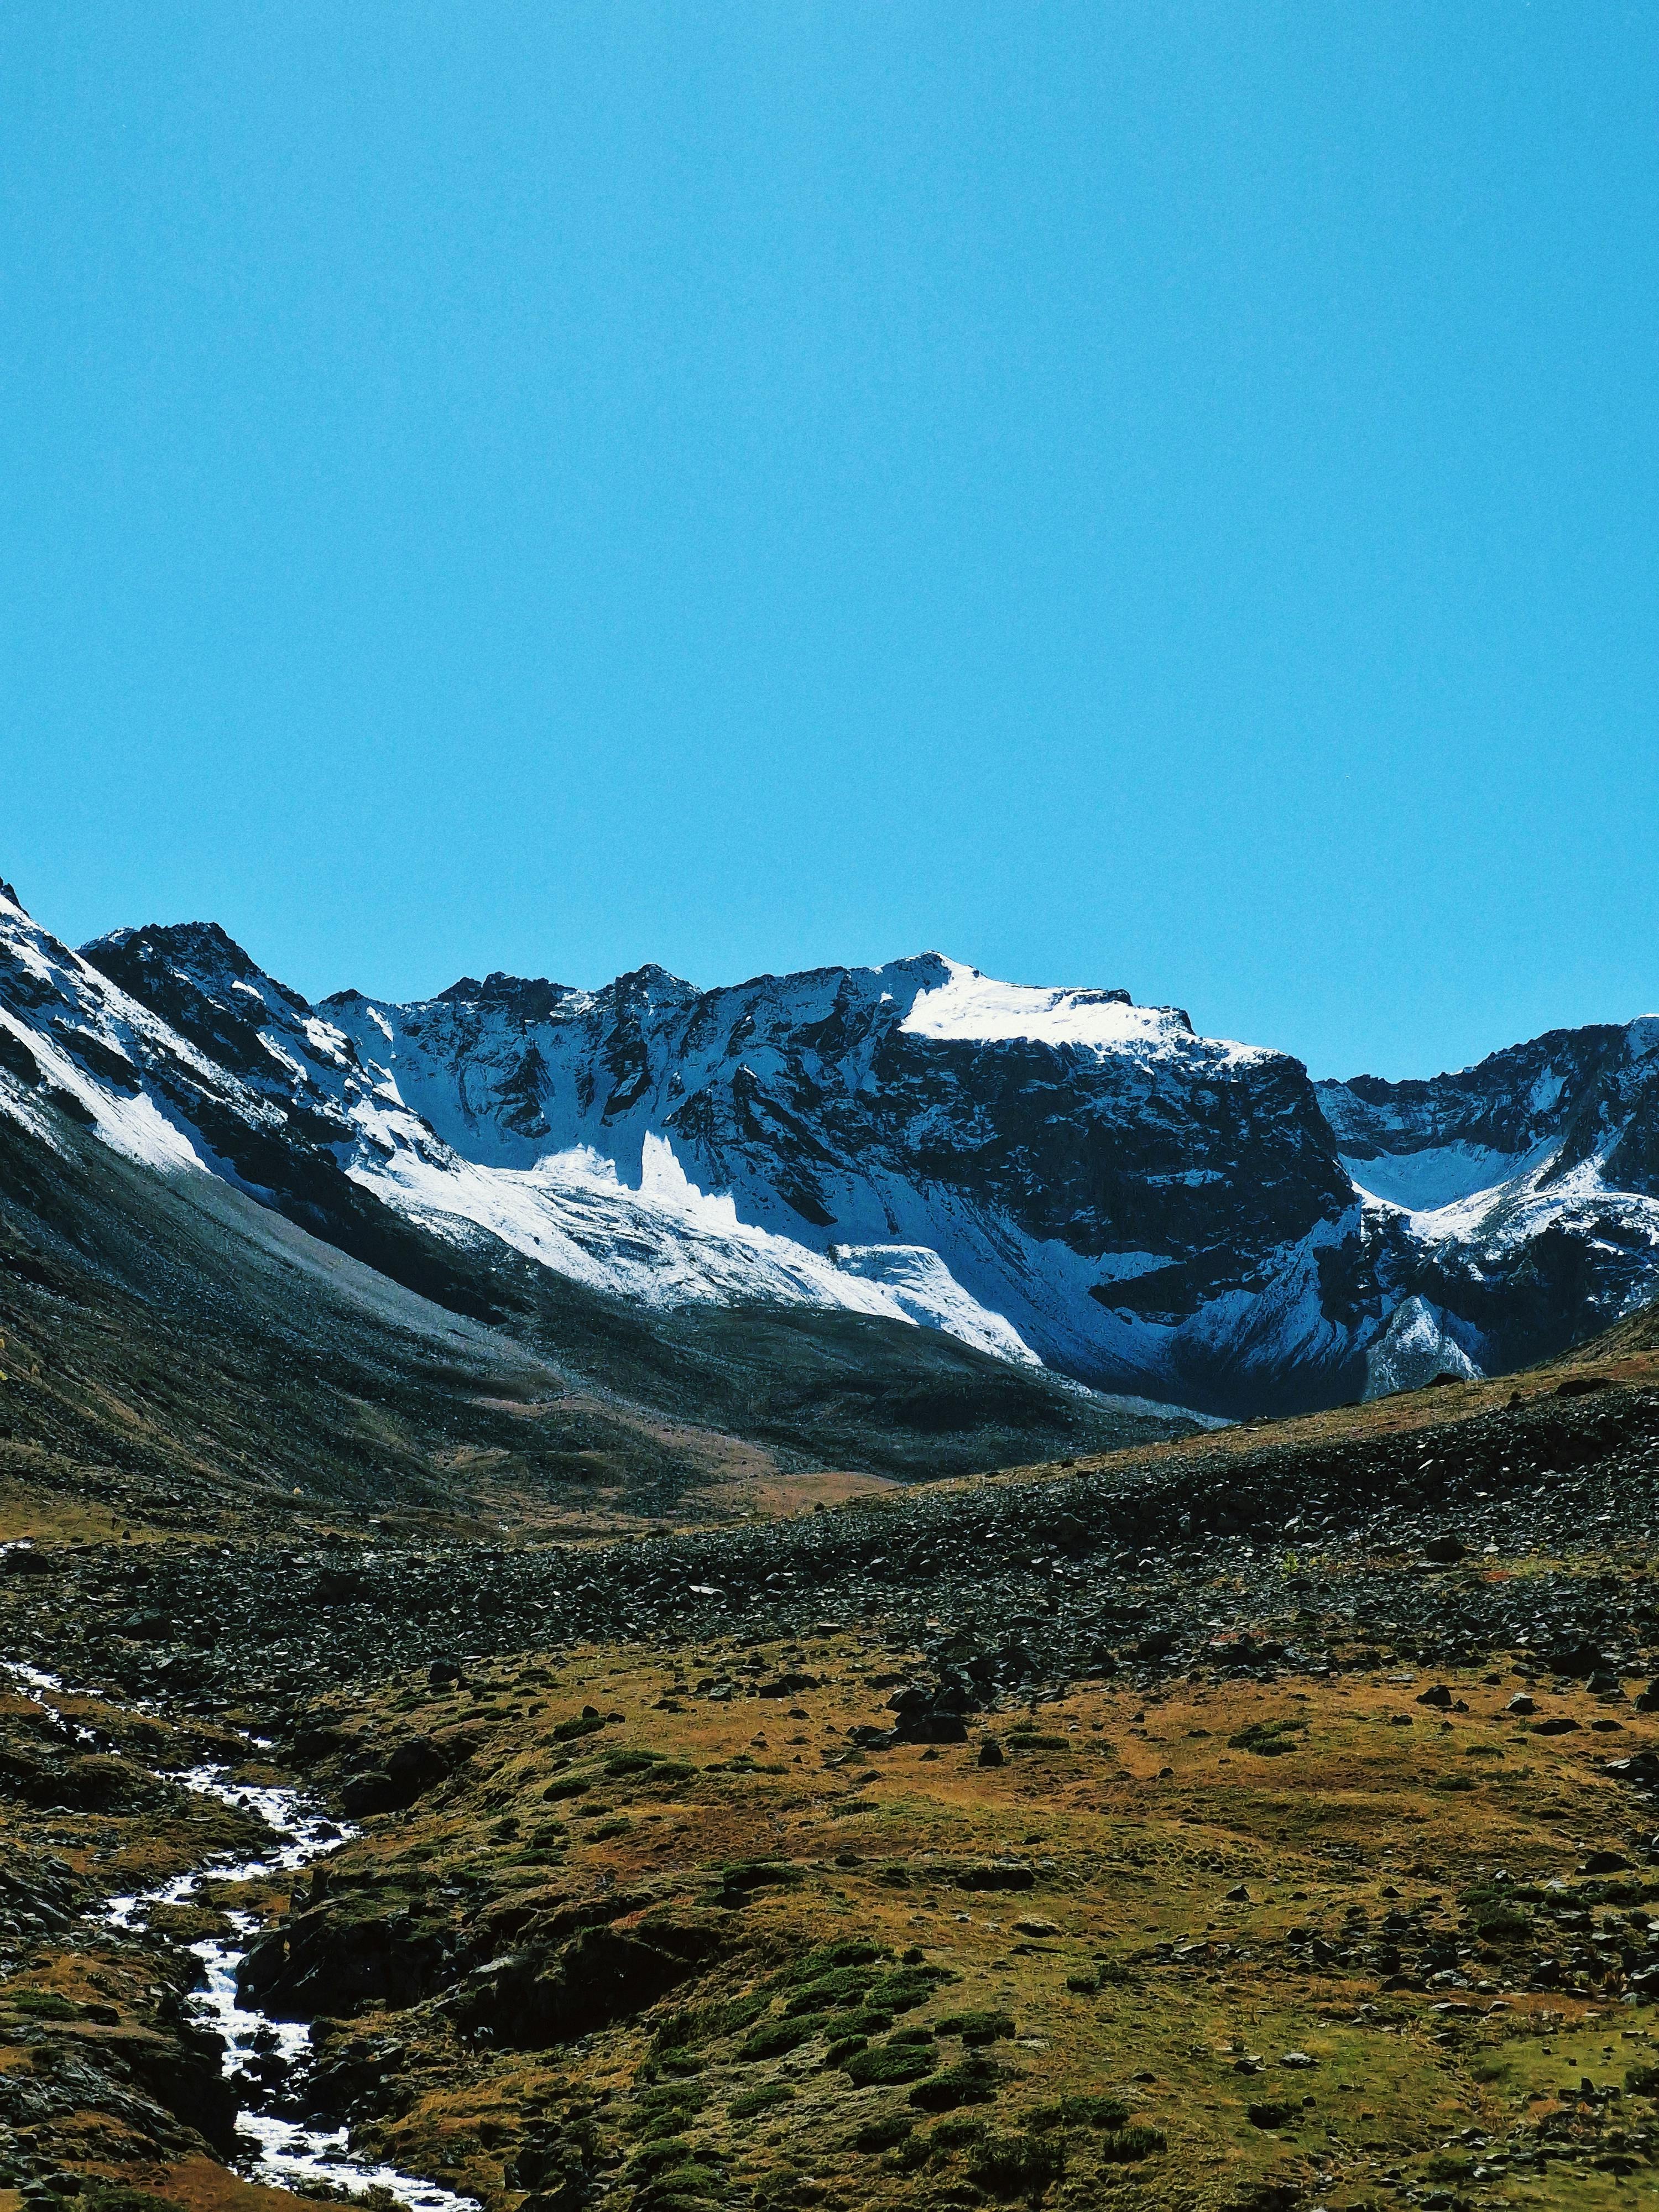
(1568, 1099)
(1517, 1199)
(914, 1157)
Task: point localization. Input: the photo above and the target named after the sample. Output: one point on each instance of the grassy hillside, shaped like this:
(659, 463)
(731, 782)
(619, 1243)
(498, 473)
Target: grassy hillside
(179, 1355)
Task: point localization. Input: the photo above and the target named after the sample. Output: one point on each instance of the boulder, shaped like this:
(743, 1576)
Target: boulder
(411, 1768)
(539, 1997)
(335, 1958)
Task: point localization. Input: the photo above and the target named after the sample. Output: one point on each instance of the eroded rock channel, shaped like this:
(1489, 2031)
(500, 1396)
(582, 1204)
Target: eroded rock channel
(261, 2112)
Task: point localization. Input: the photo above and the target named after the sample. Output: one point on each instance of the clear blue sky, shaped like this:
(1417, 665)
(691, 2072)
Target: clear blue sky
(1131, 494)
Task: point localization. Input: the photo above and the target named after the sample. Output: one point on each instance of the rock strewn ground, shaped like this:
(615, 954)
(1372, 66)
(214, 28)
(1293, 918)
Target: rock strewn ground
(1012, 1843)
(1528, 1526)
(629, 1942)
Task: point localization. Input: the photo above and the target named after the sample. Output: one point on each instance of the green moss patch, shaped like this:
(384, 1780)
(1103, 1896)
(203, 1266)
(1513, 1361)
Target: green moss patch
(977, 2027)
(887, 2062)
(1268, 1738)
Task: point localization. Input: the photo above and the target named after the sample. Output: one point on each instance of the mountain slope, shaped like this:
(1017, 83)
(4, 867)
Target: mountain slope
(1131, 1197)
(1052, 1176)
(1146, 1207)
(206, 1304)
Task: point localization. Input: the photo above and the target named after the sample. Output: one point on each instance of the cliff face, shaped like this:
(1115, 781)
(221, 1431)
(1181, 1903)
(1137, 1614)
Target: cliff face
(1428, 1143)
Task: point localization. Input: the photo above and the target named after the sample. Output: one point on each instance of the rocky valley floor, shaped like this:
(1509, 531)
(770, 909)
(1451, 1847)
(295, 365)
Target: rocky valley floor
(1267, 1821)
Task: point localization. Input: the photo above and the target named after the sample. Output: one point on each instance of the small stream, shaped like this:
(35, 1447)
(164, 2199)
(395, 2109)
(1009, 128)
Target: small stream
(285, 2154)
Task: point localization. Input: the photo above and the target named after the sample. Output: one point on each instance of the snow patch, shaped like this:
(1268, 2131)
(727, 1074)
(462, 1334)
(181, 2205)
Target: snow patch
(1439, 1175)
(1416, 1346)
(667, 1243)
(133, 1127)
(978, 1009)
(928, 1292)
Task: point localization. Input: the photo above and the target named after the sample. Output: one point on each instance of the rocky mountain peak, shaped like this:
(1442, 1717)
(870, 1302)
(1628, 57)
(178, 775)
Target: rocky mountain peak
(205, 985)
(202, 949)
(526, 997)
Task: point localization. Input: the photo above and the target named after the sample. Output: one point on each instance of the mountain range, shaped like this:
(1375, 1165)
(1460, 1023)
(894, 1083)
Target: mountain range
(856, 1217)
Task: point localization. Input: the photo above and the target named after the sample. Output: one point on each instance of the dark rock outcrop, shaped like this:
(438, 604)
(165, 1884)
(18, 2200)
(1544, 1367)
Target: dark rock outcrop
(540, 1996)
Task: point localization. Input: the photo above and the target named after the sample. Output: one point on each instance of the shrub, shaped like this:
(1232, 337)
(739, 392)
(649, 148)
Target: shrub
(888, 2061)
(1267, 1738)
(908, 2157)
(1506, 1925)
(681, 2185)
(973, 2082)
(567, 1785)
(1272, 2114)
(842, 1985)
(669, 2106)
(977, 2027)
(656, 2157)
(761, 2100)
(883, 2134)
(1016, 2166)
(909, 1986)
(774, 2037)
(620, 1763)
(1081, 2111)
(1124, 2145)
(747, 1874)
(584, 1724)
(703, 2023)
(853, 1951)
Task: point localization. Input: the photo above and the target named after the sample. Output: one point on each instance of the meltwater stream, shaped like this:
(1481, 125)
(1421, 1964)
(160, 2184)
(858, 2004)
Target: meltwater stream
(282, 2153)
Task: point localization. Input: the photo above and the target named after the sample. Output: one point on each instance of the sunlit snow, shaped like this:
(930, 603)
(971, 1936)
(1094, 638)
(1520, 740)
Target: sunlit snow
(1438, 1175)
(977, 1008)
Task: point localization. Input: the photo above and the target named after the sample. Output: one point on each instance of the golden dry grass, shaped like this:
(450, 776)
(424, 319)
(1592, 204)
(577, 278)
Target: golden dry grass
(1133, 1832)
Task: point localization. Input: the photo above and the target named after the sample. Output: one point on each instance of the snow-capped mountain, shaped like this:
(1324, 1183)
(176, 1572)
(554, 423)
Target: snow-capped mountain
(1517, 1201)
(1051, 1175)
(647, 1233)
(1089, 1172)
